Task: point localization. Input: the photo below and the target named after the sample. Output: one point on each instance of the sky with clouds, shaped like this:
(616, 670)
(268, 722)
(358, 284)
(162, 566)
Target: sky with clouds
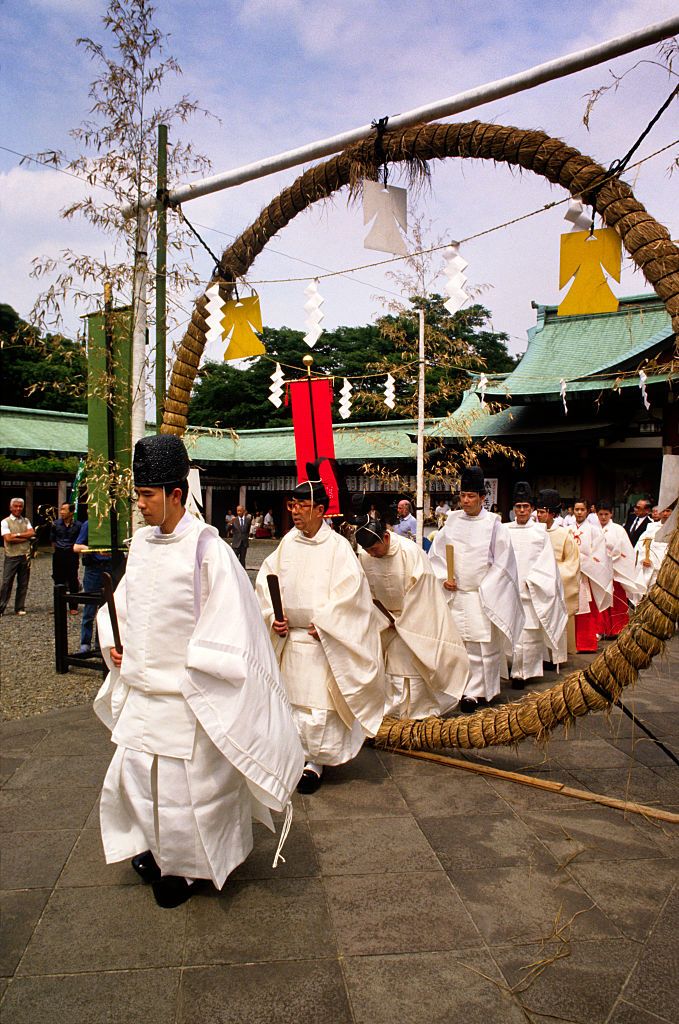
(281, 73)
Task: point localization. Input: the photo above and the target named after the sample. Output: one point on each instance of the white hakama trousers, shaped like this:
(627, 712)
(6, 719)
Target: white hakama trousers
(195, 816)
(326, 740)
(527, 655)
(558, 655)
(410, 697)
(485, 662)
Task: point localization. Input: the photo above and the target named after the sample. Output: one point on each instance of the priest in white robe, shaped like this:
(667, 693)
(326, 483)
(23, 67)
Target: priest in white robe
(205, 739)
(596, 579)
(627, 582)
(426, 665)
(326, 635)
(483, 594)
(541, 590)
(649, 552)
(567, 558)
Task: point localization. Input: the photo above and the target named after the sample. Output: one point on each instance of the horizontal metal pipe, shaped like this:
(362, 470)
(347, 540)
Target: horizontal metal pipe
(553, 69)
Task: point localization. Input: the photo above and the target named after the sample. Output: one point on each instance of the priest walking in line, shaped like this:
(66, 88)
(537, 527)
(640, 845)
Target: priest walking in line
(628, 584)
(596, 579)
(484, 592)
(426, 664)
(568, 563)
(204, 735)
(326, 638)
(541, 590)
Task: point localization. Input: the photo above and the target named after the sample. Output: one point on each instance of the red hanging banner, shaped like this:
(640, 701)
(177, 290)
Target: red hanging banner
(312, 425)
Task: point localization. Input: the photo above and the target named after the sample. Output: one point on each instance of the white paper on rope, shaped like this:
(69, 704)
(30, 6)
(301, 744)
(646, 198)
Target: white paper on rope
(390, 392)
(312, 308)
(575, 215)
(214, 314)
(387, 207)
(276, 389)
(345, 401)
(454, 286)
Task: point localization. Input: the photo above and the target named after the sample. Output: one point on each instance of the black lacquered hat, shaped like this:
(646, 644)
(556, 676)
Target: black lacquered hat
(158, 460)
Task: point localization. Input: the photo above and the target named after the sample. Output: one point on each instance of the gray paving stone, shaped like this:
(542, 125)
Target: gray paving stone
(355, 798)
(54, 806)
(299, 853)
(19, 738)
(627, 1013)
(100, 929)
(532, 798)
(573, 754)
(87, 736)
(9, 763)
(590, 832)
(519, 905)
(664, 835)
(484, 841)
(38, 772)
(302, 992)
(423, 988)
(583, 985)
(643, 750)
(86, 865)
(654, 787)
(630, 893)
(118, 997)
(353, 846)
(377, 914)
(654, 983)
(280, 919)
(33, 860)
(20, 911)
(446, 792)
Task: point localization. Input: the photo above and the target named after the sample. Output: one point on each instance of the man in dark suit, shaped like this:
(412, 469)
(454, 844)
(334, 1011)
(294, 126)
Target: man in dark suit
(638, 520)
(240, 534)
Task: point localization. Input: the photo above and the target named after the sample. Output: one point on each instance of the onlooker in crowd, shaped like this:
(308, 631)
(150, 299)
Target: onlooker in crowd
(442, 508)
(95, 566)
(16, 536)
(569, 518)
(65, 560)
(240, 534)
(269, 522)
(228, 521)
(638, 520)
(257, 523)
(407, 524)
(592, 517)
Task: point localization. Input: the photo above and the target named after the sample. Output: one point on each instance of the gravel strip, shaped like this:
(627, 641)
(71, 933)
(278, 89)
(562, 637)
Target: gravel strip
(29, 683)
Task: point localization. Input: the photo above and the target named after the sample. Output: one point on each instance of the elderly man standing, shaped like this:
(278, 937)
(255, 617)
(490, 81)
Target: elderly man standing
(541, 590)
(17, 533)
(484, 593)
(407, 523)
(327, 640)
(568, 563)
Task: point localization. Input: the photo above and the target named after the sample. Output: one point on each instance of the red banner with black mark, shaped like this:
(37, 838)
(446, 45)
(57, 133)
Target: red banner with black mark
(312, 425)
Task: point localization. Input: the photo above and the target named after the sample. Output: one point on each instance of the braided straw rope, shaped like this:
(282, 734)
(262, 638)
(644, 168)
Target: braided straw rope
(649, 245)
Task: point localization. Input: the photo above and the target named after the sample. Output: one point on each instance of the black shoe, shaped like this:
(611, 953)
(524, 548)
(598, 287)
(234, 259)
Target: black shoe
(309, 782)
(468, 705)
(549, 666)
(171, 891)
(517, 684)
(145, 866)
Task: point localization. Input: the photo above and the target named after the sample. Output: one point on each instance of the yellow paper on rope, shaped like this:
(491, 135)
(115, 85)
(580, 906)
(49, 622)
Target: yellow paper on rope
(242, 318)
(585, 257)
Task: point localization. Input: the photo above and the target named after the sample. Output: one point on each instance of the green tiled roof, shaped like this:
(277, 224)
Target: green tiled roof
(29, 432)
(586, 351)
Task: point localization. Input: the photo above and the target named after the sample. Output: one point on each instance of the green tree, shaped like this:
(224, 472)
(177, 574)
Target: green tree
(39, 372)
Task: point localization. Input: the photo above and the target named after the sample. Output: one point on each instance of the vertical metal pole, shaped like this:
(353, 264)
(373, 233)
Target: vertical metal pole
(111, 369)
(139, 299)
(60, 630)
(161, 274)
(419, 501)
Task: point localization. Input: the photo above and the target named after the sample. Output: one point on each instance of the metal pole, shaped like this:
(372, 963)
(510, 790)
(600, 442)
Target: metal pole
(538, 75)
(419, 498)
(110, 415)
(139, 300)
(161, 274)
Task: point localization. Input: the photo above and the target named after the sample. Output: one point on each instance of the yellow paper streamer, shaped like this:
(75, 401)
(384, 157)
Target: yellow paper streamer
(585, 257)
(242, 318)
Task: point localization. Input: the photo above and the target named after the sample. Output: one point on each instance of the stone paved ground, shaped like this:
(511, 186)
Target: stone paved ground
(412, 892)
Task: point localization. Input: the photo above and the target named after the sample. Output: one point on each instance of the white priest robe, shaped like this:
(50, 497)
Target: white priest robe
(426, 664)
(336, 684)
(541, 597)
(567, 558)
(204, 731)
(623, 557)
(648, 549)
(596, 569)
(486, 606)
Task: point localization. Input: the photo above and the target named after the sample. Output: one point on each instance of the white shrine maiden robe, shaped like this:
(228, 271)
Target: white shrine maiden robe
(204, 731)
(623, 557)
(426, 664)
(336, 684)
(541, 596)
(596, 570)
(486, 605)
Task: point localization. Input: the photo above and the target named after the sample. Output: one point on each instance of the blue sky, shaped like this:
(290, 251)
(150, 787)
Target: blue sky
(279, 73)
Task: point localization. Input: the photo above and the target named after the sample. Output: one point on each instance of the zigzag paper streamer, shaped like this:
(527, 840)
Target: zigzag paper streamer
(345, 401)
(642, 385)
(455, 279)
(312, 308)
(390, 392)
(562, 382)
(276, 389)
(575, 215)
(483, 384)
(214, 314)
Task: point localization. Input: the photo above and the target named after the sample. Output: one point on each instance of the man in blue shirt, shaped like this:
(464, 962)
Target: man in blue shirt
(95, 564)
(65, 560)
(407, 523)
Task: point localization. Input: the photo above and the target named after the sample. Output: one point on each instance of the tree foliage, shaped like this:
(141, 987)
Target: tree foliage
(40, 372)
